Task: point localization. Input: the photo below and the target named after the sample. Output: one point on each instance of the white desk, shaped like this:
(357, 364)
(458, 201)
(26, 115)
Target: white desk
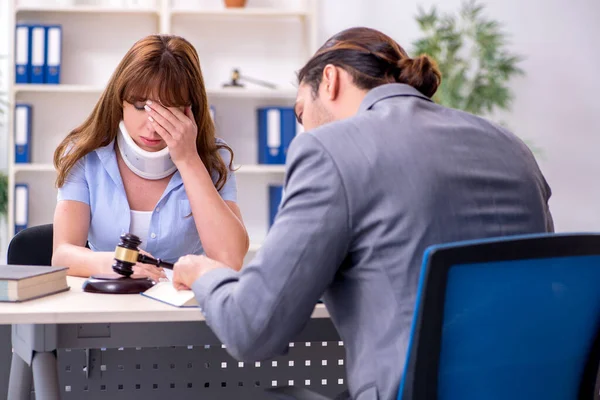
(75, 319)
(78, 307)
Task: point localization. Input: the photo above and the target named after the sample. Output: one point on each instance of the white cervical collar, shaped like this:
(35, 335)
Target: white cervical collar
(147, 164)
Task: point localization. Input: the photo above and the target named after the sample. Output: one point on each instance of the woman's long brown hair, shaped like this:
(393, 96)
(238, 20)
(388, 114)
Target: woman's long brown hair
(165, 66)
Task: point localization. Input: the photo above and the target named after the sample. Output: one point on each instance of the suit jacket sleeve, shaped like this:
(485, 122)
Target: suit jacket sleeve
(256, 312)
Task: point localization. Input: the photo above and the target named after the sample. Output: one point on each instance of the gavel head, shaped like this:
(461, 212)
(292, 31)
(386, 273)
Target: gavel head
(235, 75)
(126, 254)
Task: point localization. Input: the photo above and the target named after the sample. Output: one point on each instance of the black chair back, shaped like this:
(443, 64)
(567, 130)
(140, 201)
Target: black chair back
(31, 246)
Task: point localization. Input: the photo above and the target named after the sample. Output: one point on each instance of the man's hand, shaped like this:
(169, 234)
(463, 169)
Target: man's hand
(189, 268)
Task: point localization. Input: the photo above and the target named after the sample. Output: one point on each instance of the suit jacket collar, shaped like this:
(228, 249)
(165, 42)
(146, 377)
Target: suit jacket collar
(389, 90)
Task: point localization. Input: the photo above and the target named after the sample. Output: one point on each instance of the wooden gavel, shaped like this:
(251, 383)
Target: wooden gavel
(128, 253)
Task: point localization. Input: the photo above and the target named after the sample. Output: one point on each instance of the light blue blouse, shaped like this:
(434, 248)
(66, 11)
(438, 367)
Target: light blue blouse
(95, 180)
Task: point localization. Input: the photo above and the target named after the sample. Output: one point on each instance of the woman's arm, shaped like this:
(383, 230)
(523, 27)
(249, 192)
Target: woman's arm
(219, 223)
(71, 224)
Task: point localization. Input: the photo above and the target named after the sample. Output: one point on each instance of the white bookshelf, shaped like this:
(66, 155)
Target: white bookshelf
(81, 9)
(33, 168)
(285, 94)
(62, 88)
(268, 40)
(243, 12)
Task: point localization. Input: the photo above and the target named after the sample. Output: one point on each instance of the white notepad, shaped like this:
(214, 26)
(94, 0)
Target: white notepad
(169, 273)
(165, 292)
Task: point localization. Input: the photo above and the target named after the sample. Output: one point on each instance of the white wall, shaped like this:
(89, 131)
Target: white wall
(556, 104)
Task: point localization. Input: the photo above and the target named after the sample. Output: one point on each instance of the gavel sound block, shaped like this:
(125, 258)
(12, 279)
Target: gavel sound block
(124, 281)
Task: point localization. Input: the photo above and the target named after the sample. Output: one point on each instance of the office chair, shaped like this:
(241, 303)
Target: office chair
(31, 246)
(507, 318)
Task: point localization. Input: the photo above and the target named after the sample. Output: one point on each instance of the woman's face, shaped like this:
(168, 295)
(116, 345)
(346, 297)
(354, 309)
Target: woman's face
(140, 128)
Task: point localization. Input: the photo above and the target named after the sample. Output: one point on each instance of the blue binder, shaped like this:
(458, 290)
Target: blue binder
(37, 45)
(53, 54)
(21, 207)
(275, 198)
(276, 129)
(22, 64)
(22, 133)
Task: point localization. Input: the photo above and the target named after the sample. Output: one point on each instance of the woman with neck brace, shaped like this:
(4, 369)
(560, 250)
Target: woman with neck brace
(146, 161)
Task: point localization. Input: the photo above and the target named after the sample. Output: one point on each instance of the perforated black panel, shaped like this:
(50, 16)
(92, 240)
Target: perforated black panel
(197, 372)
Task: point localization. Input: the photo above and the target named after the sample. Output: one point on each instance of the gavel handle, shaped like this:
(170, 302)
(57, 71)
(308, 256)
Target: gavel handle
(258, 82)
(154, 261)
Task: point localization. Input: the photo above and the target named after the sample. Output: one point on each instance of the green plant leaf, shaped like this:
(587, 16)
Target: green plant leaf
(473, 57)
(3, 194)
(427, 19)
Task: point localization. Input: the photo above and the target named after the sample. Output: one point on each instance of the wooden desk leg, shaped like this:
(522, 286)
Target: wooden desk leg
(45, 376)
(19, 383)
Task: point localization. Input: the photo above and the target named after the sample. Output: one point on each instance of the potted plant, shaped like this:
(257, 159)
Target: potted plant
(235, 3)
(472, 55)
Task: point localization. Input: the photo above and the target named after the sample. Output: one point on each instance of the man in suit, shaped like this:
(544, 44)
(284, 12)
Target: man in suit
(381, 173)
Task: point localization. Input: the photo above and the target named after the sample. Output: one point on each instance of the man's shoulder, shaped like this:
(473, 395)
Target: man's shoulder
(343, 126)
(332, 134)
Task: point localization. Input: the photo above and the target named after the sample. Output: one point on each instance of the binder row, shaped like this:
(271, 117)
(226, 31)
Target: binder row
(277, 127)
(22, 132)
(38, 53)
(21, 206)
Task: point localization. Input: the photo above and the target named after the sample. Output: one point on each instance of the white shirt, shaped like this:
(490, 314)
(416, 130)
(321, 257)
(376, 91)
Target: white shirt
(140, 223)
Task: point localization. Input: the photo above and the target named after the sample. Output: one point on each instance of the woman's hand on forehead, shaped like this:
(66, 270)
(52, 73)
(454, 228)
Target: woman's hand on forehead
(177, 128)
(170, 108)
